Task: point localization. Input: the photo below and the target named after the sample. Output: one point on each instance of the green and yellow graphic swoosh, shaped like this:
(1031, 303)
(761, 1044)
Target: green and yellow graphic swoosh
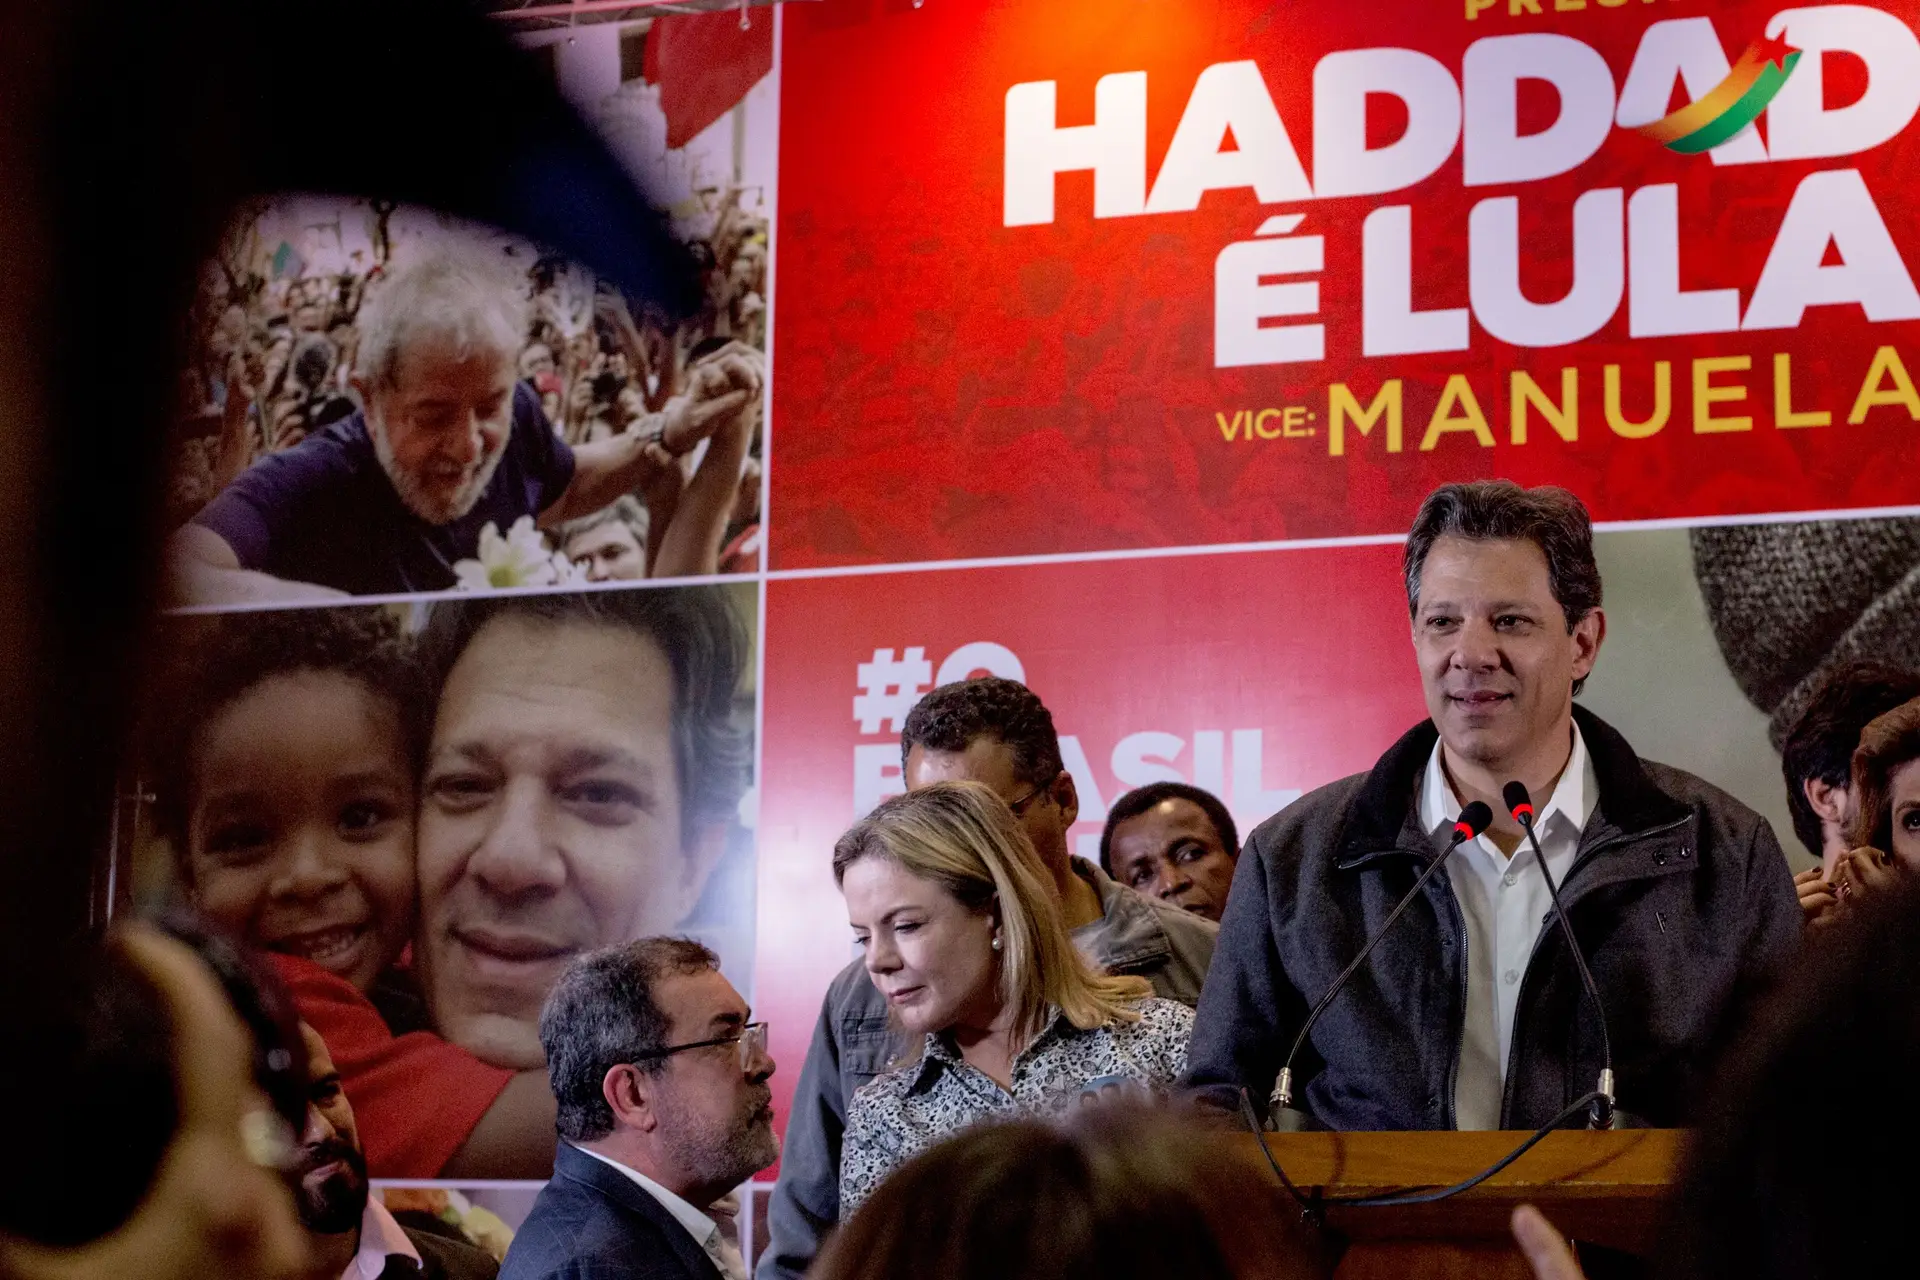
(1731, 105)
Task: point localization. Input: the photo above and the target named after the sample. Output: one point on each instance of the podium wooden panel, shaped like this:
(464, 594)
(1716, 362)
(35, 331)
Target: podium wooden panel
(1601, 1188)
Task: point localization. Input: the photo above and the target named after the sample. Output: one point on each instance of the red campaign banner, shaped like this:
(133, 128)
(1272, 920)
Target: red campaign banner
(1237, 672)
(1078, 275)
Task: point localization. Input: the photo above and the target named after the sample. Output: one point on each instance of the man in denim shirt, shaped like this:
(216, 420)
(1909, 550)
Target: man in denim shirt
(995, 732)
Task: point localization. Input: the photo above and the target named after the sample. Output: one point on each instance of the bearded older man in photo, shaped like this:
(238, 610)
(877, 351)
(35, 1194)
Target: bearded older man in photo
(447, 441)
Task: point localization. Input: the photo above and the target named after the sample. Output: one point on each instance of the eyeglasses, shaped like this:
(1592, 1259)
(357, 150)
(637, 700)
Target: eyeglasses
(1019, 806)
(750, 1039)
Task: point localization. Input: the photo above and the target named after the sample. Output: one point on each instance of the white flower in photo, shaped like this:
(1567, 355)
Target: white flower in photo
(521, 559)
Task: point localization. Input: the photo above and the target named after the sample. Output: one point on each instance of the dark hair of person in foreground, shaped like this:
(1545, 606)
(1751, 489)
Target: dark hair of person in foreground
(95, 1103)
(1116, 1192)
(1789, 1178)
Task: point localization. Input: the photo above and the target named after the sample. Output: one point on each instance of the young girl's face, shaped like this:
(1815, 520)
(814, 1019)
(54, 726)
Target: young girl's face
(300, 831)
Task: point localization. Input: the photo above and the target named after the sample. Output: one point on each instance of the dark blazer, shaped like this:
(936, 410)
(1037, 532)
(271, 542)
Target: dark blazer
(592, 1222)
(444, 1259)
(1679, 894)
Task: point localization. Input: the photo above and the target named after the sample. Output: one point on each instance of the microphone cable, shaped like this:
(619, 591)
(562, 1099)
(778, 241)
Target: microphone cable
(1520, 804)
(1474, 819)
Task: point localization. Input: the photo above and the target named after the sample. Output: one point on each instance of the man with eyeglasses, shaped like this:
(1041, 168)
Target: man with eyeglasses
(996, 732)
(660, 1081)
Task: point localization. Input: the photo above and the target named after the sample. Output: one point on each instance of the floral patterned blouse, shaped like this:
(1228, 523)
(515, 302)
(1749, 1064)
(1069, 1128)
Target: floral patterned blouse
(894, 1117)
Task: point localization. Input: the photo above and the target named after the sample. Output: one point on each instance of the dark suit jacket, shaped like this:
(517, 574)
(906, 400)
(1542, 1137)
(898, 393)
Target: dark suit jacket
(445, 1259)
(592, 1222)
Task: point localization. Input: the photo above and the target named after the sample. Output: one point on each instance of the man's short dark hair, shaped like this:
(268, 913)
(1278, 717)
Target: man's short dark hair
(705, 644)
(1821, 743)
(602, 1014)
(219, 660)
(1500, 511)
(954, 716)
(1141, 799)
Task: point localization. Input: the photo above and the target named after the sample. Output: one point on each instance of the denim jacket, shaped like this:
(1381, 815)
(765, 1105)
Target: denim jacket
(853, 1043)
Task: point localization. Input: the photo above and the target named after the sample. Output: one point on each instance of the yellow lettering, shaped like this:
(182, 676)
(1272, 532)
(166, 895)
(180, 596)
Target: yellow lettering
(1886, 363)
(1662, 403)
(1260, 424)
(1706, 395)
(1564, 417)
(1458, 393)
(1514, 7)
(1476, 7)
(1228, 430)
(1294, 419)
(1341, 406)
(1568, 6)
(1613, 4)
(1783, 412)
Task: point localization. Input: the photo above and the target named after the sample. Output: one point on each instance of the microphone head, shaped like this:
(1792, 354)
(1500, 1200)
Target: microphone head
(1519, 803)
(1474, 819)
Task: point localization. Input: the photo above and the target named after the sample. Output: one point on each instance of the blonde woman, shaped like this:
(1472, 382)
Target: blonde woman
(949, 900)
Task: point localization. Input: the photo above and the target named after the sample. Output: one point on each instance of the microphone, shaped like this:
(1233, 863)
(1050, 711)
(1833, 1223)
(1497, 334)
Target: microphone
(1520, 805)
(1474, 819)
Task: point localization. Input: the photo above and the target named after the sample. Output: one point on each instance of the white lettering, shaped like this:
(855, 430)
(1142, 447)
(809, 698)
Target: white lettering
(1343, 165)
(1493, 150)
(1832, 208)
(1493, 272)
(1799, 126)
(1656, 304)
(1229, 95)
(1250, 795)
(1690, 49)
(876, 775)
(1140, 758)
(1241, 301)
(1389, 324)
(1114, 146)
(981, 655)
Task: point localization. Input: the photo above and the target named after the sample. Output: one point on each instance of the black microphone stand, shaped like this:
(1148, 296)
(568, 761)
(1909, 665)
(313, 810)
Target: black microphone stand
(1601, 1115)
(1474, 819)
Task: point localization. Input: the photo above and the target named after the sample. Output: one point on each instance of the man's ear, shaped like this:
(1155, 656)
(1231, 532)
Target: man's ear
(1588, 634)
(1829, 802)
(629, 1095)
(1067, 797)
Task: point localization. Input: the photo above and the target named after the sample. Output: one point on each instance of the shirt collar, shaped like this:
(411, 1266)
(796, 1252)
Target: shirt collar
(1573, 799)
(698, 1224)
(381, 1237)
(941, 1051)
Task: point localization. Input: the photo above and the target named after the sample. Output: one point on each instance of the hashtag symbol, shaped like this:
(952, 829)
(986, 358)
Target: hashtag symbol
(889, 687)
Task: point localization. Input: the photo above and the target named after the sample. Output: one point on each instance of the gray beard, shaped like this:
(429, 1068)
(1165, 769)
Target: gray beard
(724, 1160)
(433, 510)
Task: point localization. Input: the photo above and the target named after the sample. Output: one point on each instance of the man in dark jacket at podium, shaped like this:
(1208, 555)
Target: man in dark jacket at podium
(1471, 1014)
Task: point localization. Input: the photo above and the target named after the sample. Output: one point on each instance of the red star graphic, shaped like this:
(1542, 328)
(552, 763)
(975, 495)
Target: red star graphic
(1774, 49)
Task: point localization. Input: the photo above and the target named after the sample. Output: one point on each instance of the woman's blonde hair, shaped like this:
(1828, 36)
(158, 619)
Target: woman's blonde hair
(962, 836)
(1885, 745)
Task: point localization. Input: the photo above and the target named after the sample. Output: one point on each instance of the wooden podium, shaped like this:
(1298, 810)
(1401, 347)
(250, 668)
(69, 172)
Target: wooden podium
(1600, 1188)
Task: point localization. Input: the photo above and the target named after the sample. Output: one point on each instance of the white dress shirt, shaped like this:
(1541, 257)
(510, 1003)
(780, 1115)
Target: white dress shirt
(380, 1239)
(724, 1252)
(1505, 904)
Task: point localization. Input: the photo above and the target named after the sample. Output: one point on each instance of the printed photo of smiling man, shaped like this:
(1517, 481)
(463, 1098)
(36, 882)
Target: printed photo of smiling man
(423, 814)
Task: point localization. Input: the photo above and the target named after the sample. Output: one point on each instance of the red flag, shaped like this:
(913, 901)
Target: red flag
(704, 64)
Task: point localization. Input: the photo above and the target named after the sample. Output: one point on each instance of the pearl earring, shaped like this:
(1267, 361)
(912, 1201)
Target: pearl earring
(996, 942)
